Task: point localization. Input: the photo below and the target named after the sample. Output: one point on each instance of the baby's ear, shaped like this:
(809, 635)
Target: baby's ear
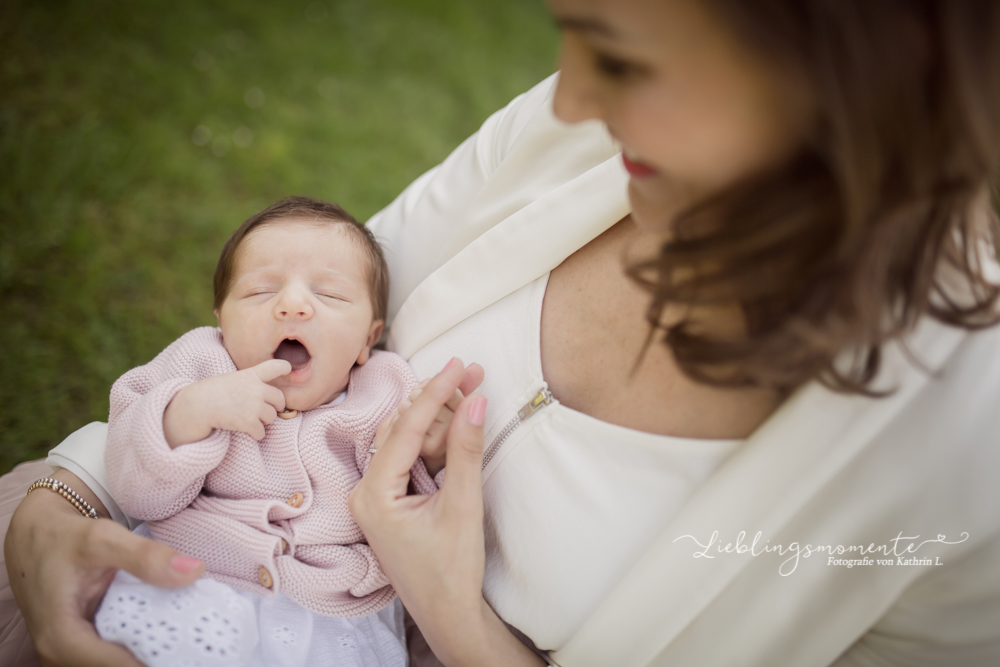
(373, 336)
(218, 321)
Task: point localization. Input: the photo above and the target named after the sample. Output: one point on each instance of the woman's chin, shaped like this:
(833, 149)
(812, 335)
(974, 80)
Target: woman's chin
(650, 217)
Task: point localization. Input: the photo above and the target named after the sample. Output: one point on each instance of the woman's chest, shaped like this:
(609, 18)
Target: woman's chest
(570, 500)
(599, 358)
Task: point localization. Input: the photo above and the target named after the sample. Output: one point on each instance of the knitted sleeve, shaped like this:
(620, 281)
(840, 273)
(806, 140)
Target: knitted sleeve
(149, 479)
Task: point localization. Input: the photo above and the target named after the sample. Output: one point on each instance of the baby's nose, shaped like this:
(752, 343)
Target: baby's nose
(300, 313)
(293, 306)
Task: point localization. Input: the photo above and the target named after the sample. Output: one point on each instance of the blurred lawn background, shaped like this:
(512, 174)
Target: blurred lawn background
(135, 136)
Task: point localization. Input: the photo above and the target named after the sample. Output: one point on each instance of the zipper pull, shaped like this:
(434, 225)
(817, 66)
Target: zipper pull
(541, 399)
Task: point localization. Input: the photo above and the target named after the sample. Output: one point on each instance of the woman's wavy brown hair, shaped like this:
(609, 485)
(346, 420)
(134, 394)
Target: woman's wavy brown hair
(883, 217)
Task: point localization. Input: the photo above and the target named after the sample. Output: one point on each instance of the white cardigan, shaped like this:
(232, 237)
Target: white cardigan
(526, 192)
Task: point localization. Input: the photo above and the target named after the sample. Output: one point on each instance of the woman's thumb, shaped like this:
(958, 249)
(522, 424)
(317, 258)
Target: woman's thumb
(465, 446)
(153, 562)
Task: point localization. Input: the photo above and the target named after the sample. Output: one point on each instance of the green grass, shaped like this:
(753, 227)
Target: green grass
(112, 216)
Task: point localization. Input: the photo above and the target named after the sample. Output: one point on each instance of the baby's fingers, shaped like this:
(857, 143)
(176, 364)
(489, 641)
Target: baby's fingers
(390, 469)
(271, 369)
(474, 375)
(433, 450)
(384, 429)
(274, 398)
(452, 403)
(267, 414)
(252, 426)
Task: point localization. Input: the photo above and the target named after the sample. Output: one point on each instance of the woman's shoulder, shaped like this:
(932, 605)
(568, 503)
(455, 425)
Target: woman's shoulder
(527, 129)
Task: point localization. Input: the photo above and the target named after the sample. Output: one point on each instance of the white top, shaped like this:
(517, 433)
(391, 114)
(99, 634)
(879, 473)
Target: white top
(571, 501)
(526, 192)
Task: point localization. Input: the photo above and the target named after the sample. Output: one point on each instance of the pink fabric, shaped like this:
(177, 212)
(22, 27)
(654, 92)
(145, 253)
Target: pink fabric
(16, 647)
(225, 499)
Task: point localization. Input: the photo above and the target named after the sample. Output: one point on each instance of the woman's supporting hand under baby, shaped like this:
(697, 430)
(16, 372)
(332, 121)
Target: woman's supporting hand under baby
(238, 401)
(59, 594)
(431, 546)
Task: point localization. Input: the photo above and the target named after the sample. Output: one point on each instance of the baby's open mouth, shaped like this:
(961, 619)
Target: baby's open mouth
(293, 352)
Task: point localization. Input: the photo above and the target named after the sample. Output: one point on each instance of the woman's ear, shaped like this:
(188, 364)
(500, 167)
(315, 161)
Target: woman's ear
(218, 320)
(373, 337)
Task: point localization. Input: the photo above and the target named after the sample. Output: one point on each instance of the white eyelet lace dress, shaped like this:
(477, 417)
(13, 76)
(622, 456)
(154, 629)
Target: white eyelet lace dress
(211, 624)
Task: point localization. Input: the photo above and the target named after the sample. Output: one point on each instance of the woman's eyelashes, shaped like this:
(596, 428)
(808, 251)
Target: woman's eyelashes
(616, 68)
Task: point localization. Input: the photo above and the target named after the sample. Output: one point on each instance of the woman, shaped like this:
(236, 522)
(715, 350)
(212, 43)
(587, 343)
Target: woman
(807, 185)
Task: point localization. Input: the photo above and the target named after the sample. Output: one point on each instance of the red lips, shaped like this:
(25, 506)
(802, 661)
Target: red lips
(637, 169)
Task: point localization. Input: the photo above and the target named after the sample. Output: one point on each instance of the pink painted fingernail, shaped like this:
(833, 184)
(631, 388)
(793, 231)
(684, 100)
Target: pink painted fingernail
(454, 360)
(185, 564)
(477, 412)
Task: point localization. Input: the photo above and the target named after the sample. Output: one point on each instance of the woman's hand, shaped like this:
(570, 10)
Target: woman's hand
(433, 450)
(431, 547)
(61, 563)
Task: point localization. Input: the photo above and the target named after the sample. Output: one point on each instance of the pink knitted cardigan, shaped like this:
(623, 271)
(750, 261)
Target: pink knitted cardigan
(229, 500)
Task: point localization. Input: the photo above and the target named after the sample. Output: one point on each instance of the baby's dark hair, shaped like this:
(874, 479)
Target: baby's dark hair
(312, 210)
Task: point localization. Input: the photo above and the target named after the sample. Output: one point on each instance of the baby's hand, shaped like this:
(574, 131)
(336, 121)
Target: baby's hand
(238, 401)
(433, 449)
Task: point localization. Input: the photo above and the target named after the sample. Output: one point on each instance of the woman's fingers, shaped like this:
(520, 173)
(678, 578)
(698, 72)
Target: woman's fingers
(474, 375)
(465, 451)
(400, 450)
(111, 545)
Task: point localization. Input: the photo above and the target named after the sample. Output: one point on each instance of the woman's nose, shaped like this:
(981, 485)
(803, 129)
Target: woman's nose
(294, 304)
(578, 92)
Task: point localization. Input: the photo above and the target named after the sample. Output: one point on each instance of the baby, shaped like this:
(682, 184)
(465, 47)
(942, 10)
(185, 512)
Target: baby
(239, 446)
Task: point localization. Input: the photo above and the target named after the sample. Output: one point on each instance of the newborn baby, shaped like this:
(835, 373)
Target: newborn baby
(239, 446)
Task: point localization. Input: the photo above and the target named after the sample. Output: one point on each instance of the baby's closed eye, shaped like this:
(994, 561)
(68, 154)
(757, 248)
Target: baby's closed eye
(332, 296)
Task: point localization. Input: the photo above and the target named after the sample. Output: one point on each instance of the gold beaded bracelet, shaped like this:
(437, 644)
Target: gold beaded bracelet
(85, 508)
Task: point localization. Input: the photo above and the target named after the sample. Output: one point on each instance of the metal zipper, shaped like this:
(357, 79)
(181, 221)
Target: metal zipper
(541, 399)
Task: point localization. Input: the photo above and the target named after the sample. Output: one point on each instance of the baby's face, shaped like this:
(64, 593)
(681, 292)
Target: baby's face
(301, 293)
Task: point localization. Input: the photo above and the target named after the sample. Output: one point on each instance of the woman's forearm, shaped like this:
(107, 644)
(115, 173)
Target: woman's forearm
(470, 637)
